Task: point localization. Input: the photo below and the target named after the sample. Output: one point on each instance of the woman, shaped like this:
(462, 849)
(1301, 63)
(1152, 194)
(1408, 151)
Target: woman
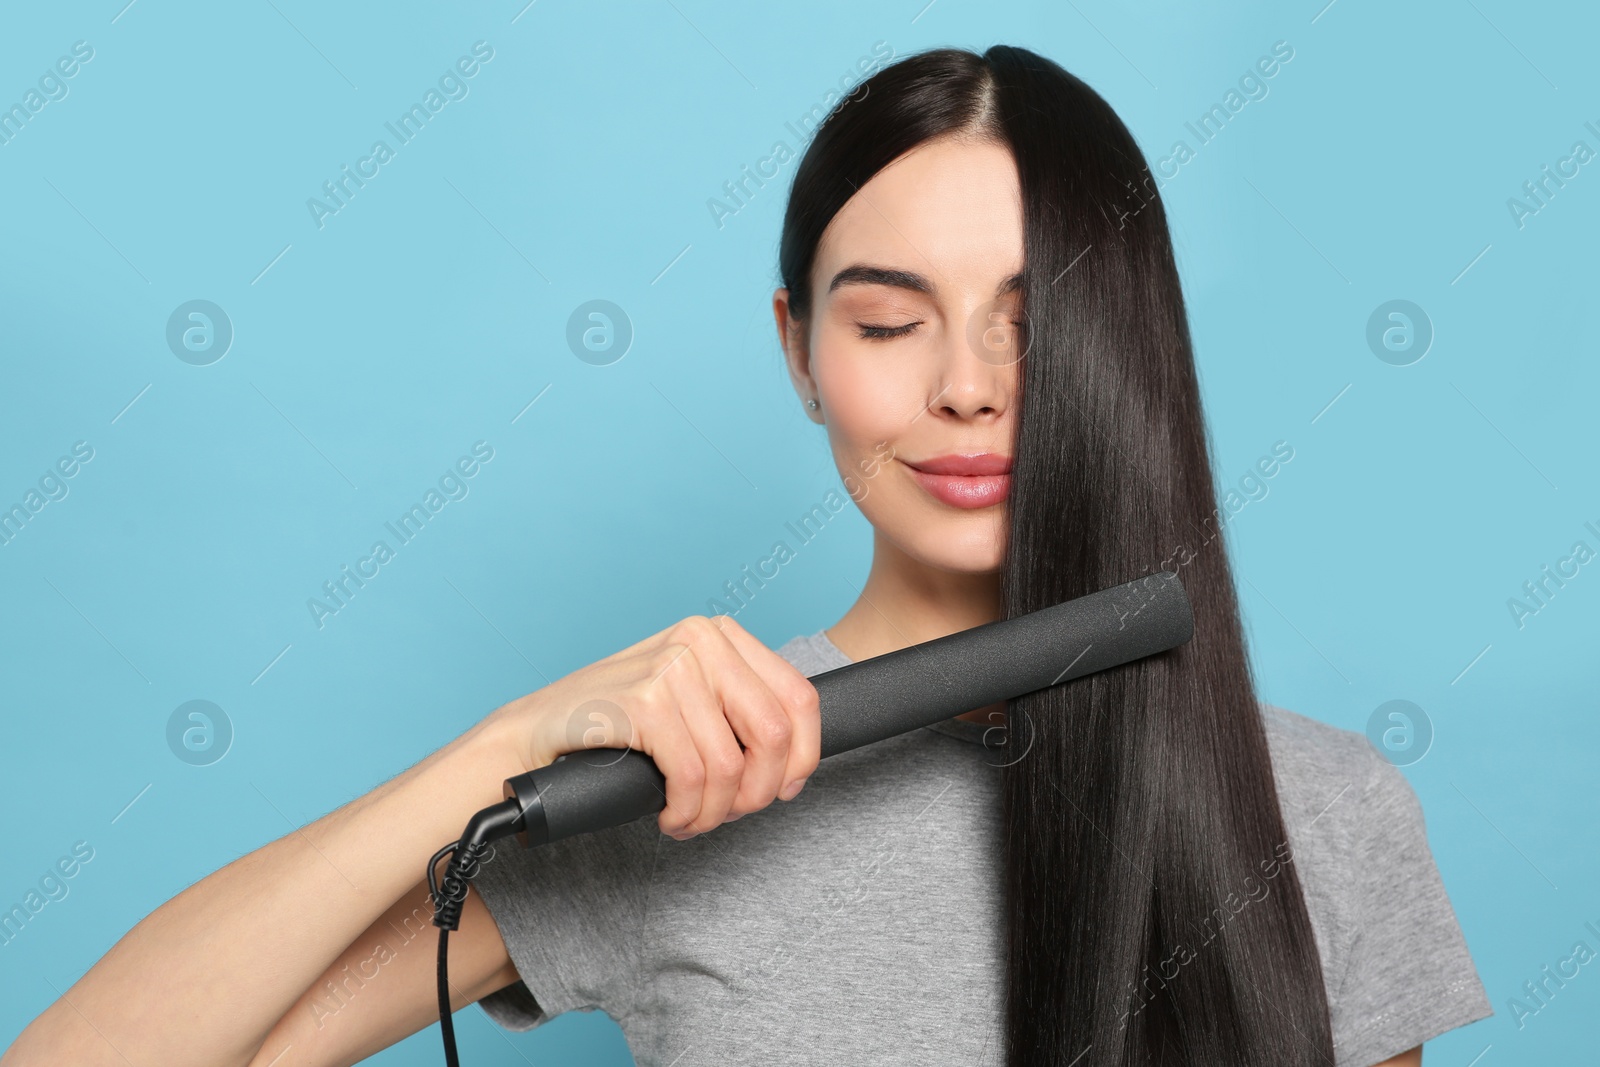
(1148, 866)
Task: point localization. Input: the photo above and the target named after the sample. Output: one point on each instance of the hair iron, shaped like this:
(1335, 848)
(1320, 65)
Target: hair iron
(860, 703)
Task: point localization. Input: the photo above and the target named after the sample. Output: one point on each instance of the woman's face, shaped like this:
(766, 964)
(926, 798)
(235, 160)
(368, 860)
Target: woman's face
(913, 353)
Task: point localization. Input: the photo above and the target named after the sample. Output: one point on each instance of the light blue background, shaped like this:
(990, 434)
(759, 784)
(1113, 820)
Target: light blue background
(429, 312)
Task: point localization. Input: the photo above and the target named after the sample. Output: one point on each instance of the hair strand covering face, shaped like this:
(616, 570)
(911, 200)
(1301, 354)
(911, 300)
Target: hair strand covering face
(1152, 910)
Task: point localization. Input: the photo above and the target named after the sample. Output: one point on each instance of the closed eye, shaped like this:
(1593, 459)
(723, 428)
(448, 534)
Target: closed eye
(880, 332)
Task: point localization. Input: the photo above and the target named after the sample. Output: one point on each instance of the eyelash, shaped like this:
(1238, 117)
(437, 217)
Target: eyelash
(886, 332)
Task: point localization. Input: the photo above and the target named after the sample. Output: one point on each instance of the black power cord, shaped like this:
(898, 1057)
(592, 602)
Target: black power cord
(466, 855)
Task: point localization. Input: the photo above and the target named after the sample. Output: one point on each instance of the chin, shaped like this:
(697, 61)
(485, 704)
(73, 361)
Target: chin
(962, 541)
(962, 555)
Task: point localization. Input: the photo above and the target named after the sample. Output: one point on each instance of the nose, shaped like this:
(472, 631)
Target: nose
(979, 369)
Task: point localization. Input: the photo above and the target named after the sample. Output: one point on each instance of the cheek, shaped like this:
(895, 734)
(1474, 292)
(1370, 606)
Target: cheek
(868, 403)
(868, 396)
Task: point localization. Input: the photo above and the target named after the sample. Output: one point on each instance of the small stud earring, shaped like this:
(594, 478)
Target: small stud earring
(812, 404)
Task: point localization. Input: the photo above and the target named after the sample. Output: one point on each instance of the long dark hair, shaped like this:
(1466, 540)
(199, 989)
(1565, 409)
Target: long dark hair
(1153, 913)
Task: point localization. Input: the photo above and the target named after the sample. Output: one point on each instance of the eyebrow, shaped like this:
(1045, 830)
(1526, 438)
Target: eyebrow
(866, 274)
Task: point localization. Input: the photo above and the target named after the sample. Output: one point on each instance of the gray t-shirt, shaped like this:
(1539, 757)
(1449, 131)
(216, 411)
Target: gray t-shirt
(859, 923)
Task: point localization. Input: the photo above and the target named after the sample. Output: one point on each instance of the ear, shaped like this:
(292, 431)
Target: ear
(796, 353)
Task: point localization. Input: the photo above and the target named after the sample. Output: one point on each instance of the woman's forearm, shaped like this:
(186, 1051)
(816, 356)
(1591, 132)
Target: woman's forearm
(204, 978)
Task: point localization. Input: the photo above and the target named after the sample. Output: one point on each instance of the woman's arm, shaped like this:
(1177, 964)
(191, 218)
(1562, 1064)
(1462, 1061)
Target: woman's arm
(205, 977)
(384, 988)
(238, 967)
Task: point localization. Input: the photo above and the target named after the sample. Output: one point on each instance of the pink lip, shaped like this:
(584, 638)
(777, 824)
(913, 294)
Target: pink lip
(965, 481)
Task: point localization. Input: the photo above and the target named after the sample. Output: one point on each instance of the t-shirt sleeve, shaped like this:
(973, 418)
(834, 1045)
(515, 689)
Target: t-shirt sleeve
(1409, 976)
(572, 915)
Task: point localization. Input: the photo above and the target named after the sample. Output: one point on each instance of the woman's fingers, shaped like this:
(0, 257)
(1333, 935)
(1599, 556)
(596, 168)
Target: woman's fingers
(795, 693)
(664, 735)
(729, 722)
(739, 724)
(720, 759)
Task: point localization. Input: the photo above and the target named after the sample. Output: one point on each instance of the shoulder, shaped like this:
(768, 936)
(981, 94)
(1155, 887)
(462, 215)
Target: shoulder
(808, 654)
(799, 645)
(1326, 778)
(1395, 962)
(1331, 778)
(1345, 807)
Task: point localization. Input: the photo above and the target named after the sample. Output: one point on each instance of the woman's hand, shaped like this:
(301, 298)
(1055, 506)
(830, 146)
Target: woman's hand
(729, 722)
